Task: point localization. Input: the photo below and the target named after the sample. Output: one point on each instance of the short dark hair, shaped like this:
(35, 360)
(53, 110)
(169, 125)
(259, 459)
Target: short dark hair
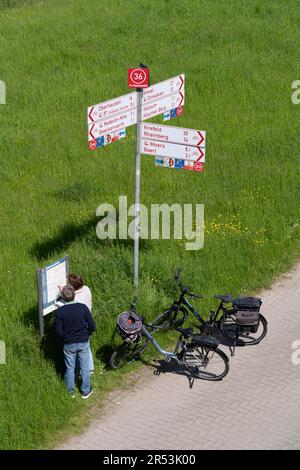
(75, 280)
(68, 293)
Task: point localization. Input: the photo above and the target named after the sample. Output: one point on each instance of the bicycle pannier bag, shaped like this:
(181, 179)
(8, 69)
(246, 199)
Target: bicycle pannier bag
(129, 325)
(247, 315)
(206, 341)
(247, 303)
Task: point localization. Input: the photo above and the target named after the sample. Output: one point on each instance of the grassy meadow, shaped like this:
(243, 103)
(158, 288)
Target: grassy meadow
(60, 56)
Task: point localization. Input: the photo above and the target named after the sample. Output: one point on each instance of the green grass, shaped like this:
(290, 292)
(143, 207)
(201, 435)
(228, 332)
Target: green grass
(57, 58)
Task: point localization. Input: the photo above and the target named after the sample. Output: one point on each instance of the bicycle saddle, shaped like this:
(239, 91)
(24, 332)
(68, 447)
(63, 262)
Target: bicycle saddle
(226, 298)
(186, 332)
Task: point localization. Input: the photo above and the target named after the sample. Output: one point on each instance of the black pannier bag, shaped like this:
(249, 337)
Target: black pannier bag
(129, 326)
(247, 303)
(206, 341)
(247, 313)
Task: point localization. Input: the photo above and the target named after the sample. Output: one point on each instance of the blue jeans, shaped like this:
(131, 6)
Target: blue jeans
(91, 363)
(71, 352)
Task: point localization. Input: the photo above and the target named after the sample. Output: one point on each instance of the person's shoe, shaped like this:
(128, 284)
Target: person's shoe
(86, 395)
(72, 395)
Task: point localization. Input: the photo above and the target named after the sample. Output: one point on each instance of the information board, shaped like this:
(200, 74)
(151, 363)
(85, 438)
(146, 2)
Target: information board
(48, 280)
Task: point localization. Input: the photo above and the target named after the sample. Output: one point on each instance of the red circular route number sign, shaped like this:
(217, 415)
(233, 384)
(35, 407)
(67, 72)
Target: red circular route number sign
(138, 78)
(92, 145)
(198, 166)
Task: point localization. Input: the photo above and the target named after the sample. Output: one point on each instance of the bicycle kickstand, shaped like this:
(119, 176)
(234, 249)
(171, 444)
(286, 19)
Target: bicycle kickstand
(191, 381)
(232, 348)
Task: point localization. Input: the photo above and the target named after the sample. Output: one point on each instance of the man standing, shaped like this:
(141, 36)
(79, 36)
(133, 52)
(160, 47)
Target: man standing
(83, 295)
(74, 325)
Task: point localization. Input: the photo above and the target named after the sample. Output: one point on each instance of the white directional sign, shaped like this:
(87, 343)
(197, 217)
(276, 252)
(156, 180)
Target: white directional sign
(162, 89)
(109, 108)
(116, 122)
(178, 135)
(112, 124)
(127, 102)
(119, 113)
(162, 105)
(181, 152)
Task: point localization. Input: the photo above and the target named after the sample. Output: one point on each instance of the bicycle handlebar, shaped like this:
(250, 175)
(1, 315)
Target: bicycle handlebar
(184, 289)
(195, 296)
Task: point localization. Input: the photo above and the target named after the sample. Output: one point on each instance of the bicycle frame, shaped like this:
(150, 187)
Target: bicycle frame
(183, 301)
(186, 303)
(167, 354)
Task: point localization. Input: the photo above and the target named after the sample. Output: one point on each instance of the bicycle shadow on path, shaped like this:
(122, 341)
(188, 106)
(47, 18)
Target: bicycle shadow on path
(164, 367)
(223, 341)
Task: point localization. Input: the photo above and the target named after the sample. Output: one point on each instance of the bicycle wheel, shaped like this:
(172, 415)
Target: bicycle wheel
(232, 332)
(204, 363)
(170, 318)
(128, 352)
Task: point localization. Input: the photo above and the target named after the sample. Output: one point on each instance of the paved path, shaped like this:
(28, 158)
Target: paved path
(257, 406)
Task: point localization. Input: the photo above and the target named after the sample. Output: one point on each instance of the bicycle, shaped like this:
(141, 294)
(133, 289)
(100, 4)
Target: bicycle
(199, 354)
(175, 316)
(222, 320)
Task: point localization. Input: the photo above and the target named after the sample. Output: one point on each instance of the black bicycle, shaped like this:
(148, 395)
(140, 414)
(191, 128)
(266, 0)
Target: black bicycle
(224, 320)
(197, 353)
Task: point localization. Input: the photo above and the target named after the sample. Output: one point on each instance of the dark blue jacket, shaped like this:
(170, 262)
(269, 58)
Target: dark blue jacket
(74, 323)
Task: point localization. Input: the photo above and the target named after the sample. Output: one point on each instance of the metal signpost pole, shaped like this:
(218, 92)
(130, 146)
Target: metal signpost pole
(40, 299)
(137, 196)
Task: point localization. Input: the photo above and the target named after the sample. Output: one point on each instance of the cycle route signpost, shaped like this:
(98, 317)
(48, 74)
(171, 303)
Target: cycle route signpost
(172, 147)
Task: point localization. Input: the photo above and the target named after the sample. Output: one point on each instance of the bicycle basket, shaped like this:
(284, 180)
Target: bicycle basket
(129, 326)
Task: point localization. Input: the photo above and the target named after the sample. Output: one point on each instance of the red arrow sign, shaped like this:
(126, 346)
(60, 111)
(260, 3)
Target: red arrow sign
(182, 81)
(182, 99)
(201, 138)
(90, 132)
(201, 153)
(90, 114)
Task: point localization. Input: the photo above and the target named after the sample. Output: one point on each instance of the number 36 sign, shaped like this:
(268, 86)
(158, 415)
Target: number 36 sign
(138, 78)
